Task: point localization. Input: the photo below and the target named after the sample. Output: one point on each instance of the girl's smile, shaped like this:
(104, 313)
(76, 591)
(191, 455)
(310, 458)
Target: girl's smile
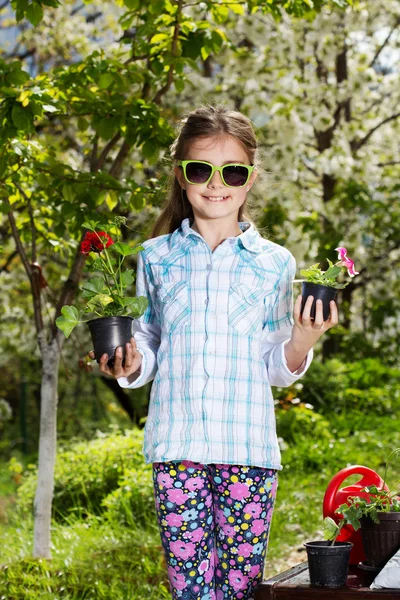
(216, 198)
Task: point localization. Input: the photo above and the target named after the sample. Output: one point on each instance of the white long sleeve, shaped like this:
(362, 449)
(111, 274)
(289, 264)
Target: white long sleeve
(146, 329)
(278, 330)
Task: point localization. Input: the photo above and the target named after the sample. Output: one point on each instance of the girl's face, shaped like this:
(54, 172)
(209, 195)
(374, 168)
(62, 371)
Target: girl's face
(214, 200)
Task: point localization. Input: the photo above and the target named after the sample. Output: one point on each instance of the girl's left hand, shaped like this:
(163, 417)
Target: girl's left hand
(306, 332)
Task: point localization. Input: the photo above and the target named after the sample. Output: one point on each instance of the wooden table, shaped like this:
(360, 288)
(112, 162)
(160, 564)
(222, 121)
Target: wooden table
(295, 583)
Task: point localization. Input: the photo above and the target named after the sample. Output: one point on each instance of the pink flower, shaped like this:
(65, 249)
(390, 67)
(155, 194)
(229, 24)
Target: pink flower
(176, 495)
(346, 262)
(237, 580)
(194, 484)
(239, 490)
(182, 549)
(174, 520)
(245, 549)
(197, 534)
(254, 570)
(177, 579)
(228, 530)
(253, 509)
(258, 526)
(165, 480)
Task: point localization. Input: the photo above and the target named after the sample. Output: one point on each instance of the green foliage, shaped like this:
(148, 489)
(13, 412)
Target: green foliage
(366, 385)
(298, 423)
(132, 503)
(328, 278)
(87, 473)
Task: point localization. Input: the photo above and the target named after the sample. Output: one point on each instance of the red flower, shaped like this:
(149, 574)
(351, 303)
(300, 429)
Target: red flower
(95, 242)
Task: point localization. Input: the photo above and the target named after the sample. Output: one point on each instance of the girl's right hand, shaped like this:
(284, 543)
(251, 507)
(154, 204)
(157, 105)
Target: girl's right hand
(133, 360)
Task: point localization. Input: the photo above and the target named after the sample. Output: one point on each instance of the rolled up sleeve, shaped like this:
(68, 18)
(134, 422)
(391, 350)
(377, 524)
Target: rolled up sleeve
(277, 331)
(146, 329)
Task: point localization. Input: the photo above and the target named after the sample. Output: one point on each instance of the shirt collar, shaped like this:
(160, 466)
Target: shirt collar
(249, 236)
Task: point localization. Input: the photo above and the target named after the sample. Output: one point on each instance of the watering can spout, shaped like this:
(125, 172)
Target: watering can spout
(336, 495)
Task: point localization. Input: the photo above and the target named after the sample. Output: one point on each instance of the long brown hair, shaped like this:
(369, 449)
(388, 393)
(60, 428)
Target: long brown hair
(206, 121)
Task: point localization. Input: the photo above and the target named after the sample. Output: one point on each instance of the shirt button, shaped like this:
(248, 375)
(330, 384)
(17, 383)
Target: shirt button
(209, 267)
(231, 241)
(206, 301)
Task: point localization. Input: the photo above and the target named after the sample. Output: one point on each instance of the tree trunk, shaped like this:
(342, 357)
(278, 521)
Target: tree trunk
(47, 447)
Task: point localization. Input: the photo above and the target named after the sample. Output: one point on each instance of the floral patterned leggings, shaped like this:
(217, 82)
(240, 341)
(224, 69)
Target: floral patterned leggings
(214, 524)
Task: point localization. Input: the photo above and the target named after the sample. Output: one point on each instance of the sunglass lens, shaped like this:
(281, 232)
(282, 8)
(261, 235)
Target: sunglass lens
(235, 175)
(197, 172)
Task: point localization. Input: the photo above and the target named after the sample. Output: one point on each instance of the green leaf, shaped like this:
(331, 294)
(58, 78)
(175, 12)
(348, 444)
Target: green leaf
(127, 277)
(132, 4)
(238, 9)
(104, 299)
(34, 13)
(136, 306)
(21, 117)
(159, 37)
(69, 320)
(111, 199)
(179, 85)
(106, 79)
(90, 225)
(96, 285)
(123, 249)
(333, 272)
(68, 192)
(83, 124)
(330, 528)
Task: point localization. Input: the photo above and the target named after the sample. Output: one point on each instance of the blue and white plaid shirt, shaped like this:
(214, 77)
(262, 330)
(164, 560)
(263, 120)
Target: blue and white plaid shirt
(212, 338)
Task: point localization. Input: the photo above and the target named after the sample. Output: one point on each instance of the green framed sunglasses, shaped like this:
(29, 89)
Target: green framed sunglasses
(200, 171)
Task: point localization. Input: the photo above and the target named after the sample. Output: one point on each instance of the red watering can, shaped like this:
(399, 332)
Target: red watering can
(335, 497)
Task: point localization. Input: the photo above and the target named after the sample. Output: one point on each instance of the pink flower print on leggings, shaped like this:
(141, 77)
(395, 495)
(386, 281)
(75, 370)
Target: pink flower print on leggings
(234, 501)
(182, 549)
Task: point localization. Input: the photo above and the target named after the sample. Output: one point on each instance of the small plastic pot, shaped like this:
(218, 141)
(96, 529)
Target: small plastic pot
(107, 334)
(320, 292)
(328, 565)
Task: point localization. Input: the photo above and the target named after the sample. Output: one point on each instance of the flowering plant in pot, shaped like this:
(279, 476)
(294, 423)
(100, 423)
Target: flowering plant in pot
(110, 311)
(323, 285)
(378, 516)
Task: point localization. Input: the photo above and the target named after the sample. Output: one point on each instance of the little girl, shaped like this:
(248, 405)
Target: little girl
(218, 332)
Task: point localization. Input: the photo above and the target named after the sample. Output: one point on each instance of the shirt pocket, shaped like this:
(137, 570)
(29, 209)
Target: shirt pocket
(245, 308)
(174, 304)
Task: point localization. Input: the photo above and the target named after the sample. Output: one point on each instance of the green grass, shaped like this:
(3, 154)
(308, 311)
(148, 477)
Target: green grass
(99, 557)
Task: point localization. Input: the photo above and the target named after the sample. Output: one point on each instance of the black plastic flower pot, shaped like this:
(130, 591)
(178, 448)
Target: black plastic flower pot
(320, 292)
(107, 334)
(328, 565)
(380, 540)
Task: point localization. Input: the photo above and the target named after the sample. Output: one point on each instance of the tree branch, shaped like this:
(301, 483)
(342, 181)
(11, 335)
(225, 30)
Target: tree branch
(18, 243)
(33, 228)
(174, 49)
(70, 287)
(357, 145)
(104, 153)
(371, 64)
(32, 273)
(9, 259)
(116, 168)
(389, 163)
